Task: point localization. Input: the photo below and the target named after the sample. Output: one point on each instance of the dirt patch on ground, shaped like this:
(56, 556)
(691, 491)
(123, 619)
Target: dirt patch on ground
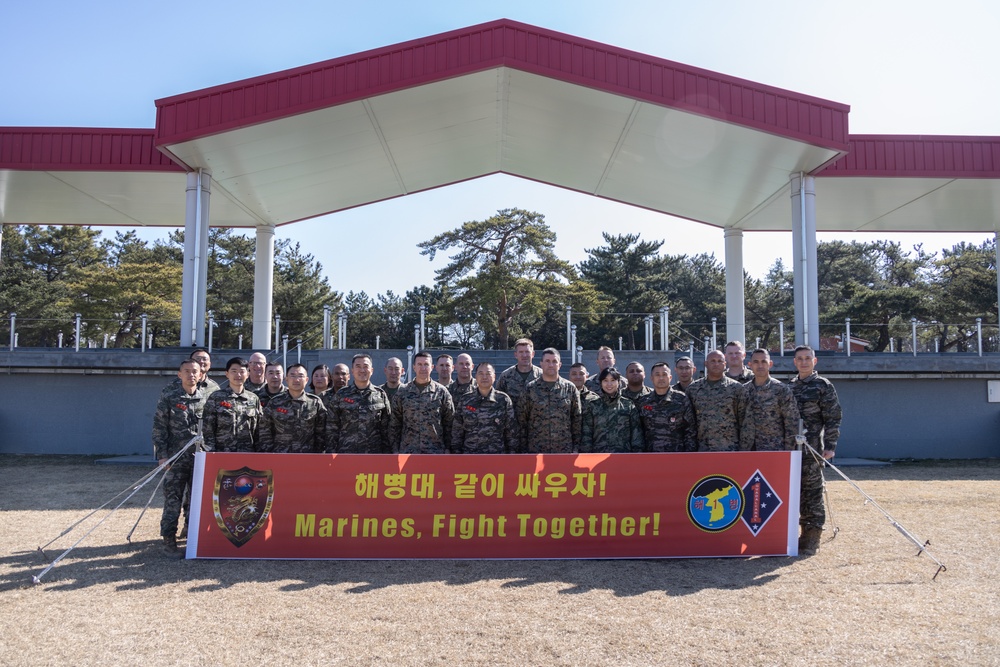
(864, 599)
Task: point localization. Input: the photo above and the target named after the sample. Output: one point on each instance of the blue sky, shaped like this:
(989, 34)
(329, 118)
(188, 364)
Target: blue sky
(915, 67)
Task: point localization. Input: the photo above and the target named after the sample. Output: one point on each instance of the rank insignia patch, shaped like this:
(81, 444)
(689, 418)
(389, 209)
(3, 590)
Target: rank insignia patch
(242, 502)
(761, 502)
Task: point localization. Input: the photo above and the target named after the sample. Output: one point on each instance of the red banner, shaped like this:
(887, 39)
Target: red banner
(248, 505)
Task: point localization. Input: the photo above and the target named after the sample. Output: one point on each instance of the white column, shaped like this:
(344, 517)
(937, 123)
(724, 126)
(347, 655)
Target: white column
(806, 293)
(736, 328)
(188, 281)
(263, 287)
(996, 241)
(203, 226)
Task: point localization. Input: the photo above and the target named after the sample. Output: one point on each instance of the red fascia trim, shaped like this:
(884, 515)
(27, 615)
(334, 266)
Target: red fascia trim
(919, 156)
(81, 149)
(501, 43)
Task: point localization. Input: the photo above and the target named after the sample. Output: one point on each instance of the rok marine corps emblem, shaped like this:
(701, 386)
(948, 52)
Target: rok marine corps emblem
(242, 502)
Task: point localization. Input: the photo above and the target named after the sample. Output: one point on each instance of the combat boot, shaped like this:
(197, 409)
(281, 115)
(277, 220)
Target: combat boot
(809, 540)
(170, 547)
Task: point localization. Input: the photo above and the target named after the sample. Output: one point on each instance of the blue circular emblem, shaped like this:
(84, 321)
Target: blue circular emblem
(715, 503)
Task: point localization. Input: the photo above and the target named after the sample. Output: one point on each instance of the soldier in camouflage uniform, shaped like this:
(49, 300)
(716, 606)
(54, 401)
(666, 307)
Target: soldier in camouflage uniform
(393, 376)
(662, 414)
(463, 387)
(256, 368)
(484, 422)
(549, 411)
(340, 376)
(610, 424)
(274, 383)
(715, 407)
(771, 416)
(358, 420)
(422, 413)
(605, 359)
(444, 365)
(176, 420)
(294, 421)
(685, 373)
(820, 410)
(735, 355)
(515, 379)
(231, 414)
(635, 378)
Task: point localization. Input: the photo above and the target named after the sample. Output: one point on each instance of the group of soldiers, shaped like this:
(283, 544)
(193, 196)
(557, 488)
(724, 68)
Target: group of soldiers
(262, 407)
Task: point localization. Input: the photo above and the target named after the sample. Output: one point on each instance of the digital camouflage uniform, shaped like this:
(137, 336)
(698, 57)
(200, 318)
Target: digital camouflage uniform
(820, 410)
(265, 396)
(461, 392)
(549, 417)
(746, 375)
(513, 384)
(390, 391)
(632, 395)
(610, 424)
(358, 421)
(176, 420)
(664, 422)
(230, 421)
(716, 410)
(421, 419)
(485, 425)
(293, 425)
(677, 386)
(770, 418)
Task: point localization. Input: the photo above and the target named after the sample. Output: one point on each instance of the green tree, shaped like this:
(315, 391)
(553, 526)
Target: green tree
(300, 292)
(501, 272)
(964, 287)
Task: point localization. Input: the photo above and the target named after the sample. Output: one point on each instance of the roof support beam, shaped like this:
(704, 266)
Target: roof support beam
(194, 285)
(263, 288)
(736, 328)
(803, 195)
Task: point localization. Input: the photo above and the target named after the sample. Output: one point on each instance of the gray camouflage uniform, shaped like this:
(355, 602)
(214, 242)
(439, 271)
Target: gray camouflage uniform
(176, 420)
(358, 421)
(716, 410)
(821, 414)
(549, 417)
(421, 419)
(230, 421)
(610, 424)
(664, 422)
(770, 417)
(295, 425)
(485, 425)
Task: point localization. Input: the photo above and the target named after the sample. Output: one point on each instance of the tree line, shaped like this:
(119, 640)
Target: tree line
(503, 280)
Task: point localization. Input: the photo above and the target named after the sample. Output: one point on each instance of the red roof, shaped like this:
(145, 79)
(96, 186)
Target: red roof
(83, 149)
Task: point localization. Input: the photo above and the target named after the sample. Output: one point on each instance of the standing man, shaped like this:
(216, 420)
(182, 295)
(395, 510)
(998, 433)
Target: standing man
(341, 377)
(715, 407)
(662, 413)
(605, 359)
(393, 376)
(820, 410)
(635, 377)
(204, 359)
(463, 386)
(515, 379)
(256, 368)
(232, 413)
(770, 417)
(685, 373)
(735, 354)
(444, 367)
(422, 413)
(294, 421)
(549, 411)
(358, 421)
(274, 376)
(176, 420)
(484, 422)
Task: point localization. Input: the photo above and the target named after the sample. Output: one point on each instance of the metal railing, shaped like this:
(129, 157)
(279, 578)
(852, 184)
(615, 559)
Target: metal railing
(640, 331)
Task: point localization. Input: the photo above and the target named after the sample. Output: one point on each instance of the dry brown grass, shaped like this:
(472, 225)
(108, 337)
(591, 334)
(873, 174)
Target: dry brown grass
(865, 599)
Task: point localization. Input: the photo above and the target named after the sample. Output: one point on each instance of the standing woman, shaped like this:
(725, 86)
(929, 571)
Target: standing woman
(321, 380)
(611, 423)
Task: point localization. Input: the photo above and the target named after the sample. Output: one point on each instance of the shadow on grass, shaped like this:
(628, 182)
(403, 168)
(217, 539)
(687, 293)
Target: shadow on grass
(140, 566)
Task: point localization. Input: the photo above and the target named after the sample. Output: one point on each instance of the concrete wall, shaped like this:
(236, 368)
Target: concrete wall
(101, 402)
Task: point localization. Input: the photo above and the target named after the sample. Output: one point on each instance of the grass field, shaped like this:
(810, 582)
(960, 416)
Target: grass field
(865, 599)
